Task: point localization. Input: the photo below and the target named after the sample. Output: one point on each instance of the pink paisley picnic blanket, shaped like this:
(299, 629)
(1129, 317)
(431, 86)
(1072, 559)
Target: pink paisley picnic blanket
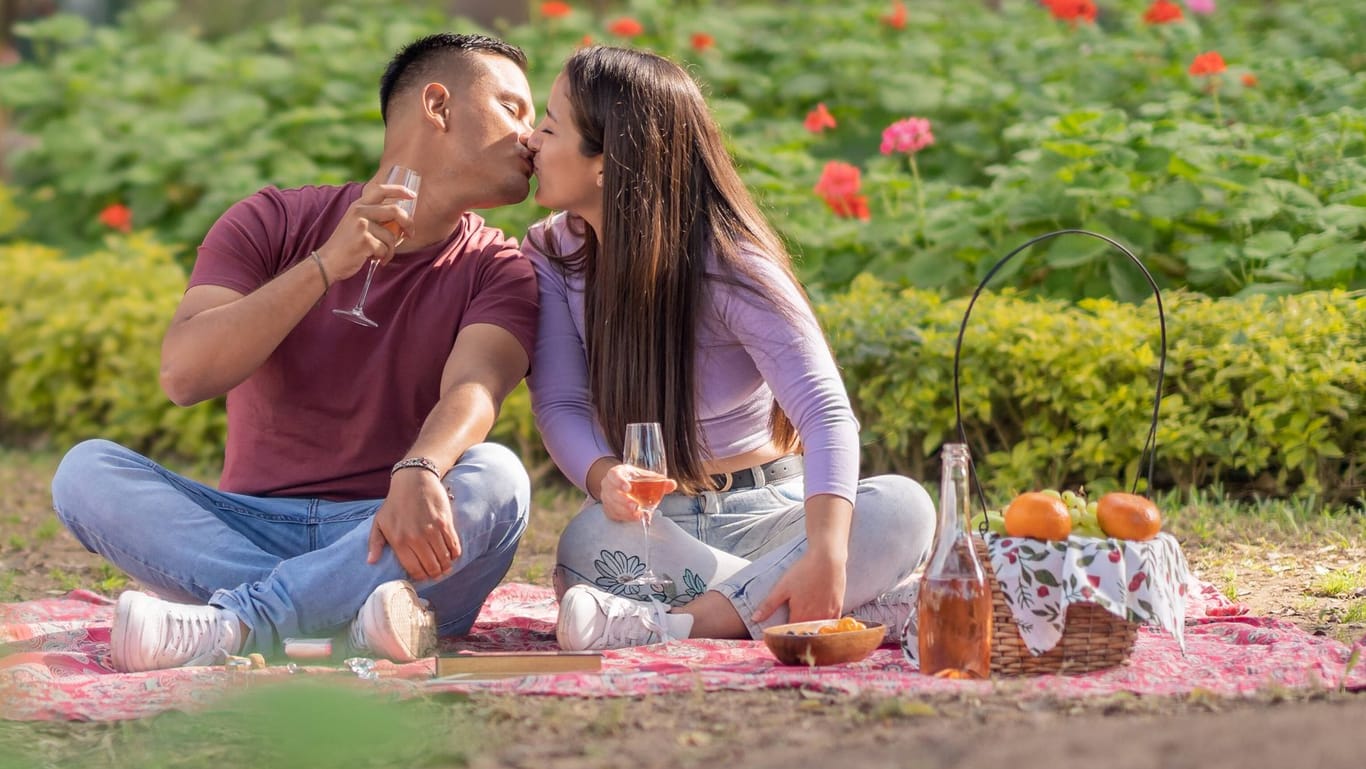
(54, 663)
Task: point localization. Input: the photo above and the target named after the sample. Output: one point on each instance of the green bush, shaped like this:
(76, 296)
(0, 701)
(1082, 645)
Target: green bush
(1261, 394)
(80, 342)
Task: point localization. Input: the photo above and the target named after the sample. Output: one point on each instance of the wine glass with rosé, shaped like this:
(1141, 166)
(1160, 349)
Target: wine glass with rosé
(644, 453)
(404, 177)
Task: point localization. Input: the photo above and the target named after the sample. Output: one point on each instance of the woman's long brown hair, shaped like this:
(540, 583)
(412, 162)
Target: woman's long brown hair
(671, 197)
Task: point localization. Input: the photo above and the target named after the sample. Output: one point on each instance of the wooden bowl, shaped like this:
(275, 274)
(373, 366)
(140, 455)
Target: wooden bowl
(792, 648)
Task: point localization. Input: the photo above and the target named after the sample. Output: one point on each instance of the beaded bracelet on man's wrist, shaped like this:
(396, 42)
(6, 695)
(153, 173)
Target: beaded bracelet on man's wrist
(422, 462)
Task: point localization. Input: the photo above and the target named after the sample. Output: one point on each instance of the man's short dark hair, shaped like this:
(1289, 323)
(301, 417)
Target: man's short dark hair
(419, 59)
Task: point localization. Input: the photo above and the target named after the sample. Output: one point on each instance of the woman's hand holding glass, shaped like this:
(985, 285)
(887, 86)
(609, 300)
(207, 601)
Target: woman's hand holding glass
(617, 502)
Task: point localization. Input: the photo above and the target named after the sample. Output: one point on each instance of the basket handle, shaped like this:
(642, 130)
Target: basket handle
(1150, 445)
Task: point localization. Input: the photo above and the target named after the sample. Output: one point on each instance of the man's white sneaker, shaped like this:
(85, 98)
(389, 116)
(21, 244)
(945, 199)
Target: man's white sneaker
(592, 619)
(395, 624)
(152, 634)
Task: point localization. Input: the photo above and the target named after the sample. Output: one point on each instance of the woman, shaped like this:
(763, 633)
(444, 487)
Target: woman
(666, 297)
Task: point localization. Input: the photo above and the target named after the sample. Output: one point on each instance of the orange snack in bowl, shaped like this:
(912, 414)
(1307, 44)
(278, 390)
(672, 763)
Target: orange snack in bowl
(844, 625)
(1128, 516)
(1038, 516)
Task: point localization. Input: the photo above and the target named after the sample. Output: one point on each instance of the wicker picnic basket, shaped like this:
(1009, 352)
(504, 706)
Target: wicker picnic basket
(1093, 638)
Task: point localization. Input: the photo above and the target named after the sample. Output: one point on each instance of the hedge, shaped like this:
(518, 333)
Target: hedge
(1261, 393)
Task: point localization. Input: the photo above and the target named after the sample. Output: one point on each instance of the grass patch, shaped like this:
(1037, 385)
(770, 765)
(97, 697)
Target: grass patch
(65, 580)
(287, 724)
(108, 579)
(17, 542)
(1355, 613)
(1339, 582)
(47, 530)
(1208, 516)
(1229, 583)
(8, 592)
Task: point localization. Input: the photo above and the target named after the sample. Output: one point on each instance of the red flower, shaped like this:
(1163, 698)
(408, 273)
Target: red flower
(625, 27)
(117, 217)
(1208, 63)
(897, 18)
(1043, 591)
(819, 119)
(586, 41)
(555, 9)
(1093, 579)
(1072, 10)
(1249, 80)
(1137, 581)
(1162, 12)
(839, 185)
(701, 41)
(1115, 556)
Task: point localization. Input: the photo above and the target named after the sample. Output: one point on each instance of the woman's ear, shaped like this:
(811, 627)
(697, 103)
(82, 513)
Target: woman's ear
(436, 106)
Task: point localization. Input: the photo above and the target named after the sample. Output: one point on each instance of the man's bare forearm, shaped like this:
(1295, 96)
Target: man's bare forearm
(218, 338)
(463, 417)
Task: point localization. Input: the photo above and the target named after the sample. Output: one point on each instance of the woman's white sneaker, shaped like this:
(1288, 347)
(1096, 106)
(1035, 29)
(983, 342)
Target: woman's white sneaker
(592, 619)
(152, 634)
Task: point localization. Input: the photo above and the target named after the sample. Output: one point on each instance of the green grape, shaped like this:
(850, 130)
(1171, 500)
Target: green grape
(1054, 493)
(996, 522)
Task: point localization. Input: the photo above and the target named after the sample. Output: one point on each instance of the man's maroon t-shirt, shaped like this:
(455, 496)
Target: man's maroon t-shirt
(336, 404)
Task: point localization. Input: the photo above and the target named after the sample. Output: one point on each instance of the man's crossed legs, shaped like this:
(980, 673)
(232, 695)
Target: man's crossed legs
(257, 570)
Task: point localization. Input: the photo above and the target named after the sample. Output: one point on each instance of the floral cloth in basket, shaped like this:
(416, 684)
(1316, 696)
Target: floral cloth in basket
(1143, 582)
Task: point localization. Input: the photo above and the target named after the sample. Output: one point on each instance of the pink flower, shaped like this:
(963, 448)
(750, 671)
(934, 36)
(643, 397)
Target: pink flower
(909, 136)
(1202, 7)
(819, 119)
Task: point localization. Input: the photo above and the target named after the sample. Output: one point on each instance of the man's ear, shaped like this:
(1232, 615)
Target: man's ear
(436, 106)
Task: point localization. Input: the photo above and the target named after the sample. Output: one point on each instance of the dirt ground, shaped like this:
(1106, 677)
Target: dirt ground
(1315, 579)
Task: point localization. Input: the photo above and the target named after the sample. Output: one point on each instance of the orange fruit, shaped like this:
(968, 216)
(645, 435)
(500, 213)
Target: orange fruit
(1128, 516)
(1039, 516)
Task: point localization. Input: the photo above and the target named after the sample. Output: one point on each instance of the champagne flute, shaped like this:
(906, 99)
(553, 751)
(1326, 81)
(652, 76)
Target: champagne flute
(410, 179)
(644, 452)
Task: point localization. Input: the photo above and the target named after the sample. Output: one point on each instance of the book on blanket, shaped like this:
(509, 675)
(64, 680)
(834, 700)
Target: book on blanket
(516, 663)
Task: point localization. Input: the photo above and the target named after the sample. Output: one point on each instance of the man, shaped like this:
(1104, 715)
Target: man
(354, 456)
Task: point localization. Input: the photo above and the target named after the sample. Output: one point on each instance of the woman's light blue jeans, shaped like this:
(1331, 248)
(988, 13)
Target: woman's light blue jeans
(285, 566)
(739, 543)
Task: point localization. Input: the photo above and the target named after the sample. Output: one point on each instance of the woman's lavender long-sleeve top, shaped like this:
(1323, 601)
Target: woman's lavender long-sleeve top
(749, 352)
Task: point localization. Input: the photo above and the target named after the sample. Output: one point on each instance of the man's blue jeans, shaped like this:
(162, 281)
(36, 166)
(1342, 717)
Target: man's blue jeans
(285, 566)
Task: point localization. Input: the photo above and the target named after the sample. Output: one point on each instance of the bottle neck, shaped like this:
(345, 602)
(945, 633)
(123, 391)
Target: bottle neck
(955, 503)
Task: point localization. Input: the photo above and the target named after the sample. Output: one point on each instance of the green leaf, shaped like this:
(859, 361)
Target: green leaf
(1291, 194)
(1267, 245)
(1333, 261)
(1171, 202)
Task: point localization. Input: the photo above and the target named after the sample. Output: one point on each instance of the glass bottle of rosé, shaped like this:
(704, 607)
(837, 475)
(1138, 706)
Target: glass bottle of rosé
(955, 599)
